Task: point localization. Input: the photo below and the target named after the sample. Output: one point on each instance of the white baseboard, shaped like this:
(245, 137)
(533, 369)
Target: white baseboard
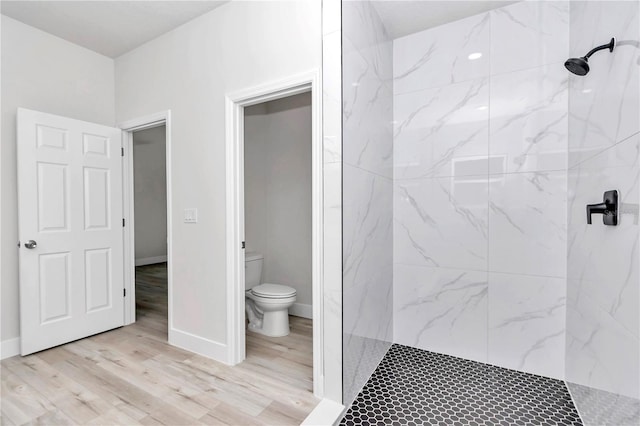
(301, 310)
(151, 260)
(327, 412)
(205, 347)
(9, 348)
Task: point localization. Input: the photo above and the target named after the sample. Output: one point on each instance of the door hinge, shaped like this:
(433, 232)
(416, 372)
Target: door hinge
(243, 244)
(124, 292)
(122, 151)
(123, 222)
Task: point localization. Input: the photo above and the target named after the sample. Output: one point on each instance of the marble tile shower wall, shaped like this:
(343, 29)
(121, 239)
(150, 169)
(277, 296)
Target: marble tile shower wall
(367, 160)
(480, 187)
(602, 337)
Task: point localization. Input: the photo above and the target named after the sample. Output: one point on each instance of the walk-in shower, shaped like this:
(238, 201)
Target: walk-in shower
(473, 286)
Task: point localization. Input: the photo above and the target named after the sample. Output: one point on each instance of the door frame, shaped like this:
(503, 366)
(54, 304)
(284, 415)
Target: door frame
(128, 128)
(235, 103)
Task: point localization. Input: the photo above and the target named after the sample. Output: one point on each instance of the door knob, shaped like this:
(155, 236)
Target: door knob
(31, 244)
(608, 208)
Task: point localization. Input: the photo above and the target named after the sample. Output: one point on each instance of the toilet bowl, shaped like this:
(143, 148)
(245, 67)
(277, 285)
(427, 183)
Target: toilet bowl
(267, 305)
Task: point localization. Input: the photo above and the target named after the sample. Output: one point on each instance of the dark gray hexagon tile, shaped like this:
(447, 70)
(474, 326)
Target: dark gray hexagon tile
(416, 387)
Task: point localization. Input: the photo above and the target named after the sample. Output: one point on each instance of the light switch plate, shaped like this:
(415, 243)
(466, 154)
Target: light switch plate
(190, 215)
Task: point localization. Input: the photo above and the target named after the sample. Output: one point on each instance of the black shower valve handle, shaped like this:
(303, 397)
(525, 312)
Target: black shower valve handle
(608, 209)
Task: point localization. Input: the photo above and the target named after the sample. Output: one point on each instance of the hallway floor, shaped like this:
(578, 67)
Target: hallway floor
(132, 376)
(417, 387)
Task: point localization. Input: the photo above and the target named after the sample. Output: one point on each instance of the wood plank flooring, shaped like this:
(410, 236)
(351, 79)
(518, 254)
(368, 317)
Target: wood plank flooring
(132, 376)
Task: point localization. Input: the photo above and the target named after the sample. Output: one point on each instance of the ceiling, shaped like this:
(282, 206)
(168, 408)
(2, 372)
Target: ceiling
(107, 27)
(402, 17)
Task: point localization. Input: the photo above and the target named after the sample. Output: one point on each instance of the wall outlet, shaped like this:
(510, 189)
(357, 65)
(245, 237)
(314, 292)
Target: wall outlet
(190, 215)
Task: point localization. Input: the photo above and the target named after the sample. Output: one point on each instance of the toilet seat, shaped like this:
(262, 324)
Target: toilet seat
(273, 291)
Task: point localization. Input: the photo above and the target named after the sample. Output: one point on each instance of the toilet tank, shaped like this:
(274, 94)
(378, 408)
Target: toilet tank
(252, 269)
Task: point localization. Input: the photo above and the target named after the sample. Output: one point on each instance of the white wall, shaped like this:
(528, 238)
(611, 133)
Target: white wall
(277, 148)
(150, 185)
(189, 71)
(45, 73)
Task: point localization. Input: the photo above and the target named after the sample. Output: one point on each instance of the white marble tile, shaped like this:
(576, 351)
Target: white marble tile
(332, 188)
(605, 104)
(528, 34)
(441, 310)
(362, 356)
(332, 355)
(332, 130)
(527, 323)
(600, 352)
(441, 222)
(527, 223)
(442, 55)
(367, 116)
(605, 258)
(331, 16)
(529, 124)
(598, 407)
(363, 31)
(331, 97)
(332, 65)
(332, 223)
(367, 254)
(442, 132)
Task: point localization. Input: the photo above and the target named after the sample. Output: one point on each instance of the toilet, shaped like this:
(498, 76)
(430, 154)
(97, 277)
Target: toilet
(267, 305)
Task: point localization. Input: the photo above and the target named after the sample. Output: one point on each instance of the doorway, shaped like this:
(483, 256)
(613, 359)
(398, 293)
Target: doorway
(236, 104)
(277, 223)
(150, 228)
(144, 140)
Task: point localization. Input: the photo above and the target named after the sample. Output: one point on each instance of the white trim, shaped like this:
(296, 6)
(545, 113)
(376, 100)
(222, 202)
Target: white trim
(150, 260)
(235, 103)
(9, 348)
(301, 310)
(128, 127)
(197, 344)
(327, 412)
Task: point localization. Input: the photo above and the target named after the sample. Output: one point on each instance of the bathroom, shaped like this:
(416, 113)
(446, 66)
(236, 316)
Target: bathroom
(278, 230)
(469, 153)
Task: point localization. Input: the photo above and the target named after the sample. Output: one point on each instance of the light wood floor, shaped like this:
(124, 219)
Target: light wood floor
(132, 376)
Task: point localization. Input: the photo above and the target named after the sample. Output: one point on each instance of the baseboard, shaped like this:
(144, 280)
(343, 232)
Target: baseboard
(151, 260)
(205, 347)
(9, 348)
(327, 412)
(301, 310)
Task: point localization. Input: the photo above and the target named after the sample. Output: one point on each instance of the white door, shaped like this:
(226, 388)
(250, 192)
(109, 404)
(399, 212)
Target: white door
(70, 229)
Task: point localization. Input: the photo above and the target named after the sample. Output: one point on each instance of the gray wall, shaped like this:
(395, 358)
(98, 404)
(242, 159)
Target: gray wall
(150, 179)
(367, 151)
(278, 192)
(602, 347)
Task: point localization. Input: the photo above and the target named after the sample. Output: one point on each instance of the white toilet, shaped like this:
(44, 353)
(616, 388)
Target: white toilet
(267, 305)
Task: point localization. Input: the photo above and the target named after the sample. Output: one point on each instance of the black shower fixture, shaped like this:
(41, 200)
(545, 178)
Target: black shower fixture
(580, 66)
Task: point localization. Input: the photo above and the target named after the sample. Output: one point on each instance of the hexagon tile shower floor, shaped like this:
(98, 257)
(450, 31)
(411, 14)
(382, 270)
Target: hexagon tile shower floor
(415, 387)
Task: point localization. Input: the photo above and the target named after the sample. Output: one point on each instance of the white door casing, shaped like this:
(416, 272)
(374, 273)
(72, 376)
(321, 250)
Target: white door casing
(70, 204)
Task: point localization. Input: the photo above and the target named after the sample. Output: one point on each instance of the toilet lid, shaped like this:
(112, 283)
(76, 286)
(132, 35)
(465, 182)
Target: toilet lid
(273, 290)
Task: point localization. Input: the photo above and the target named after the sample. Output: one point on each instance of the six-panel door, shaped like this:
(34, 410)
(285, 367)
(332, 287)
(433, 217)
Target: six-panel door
(70, 205)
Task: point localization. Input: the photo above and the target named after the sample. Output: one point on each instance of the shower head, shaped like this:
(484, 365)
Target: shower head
(580, 66)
